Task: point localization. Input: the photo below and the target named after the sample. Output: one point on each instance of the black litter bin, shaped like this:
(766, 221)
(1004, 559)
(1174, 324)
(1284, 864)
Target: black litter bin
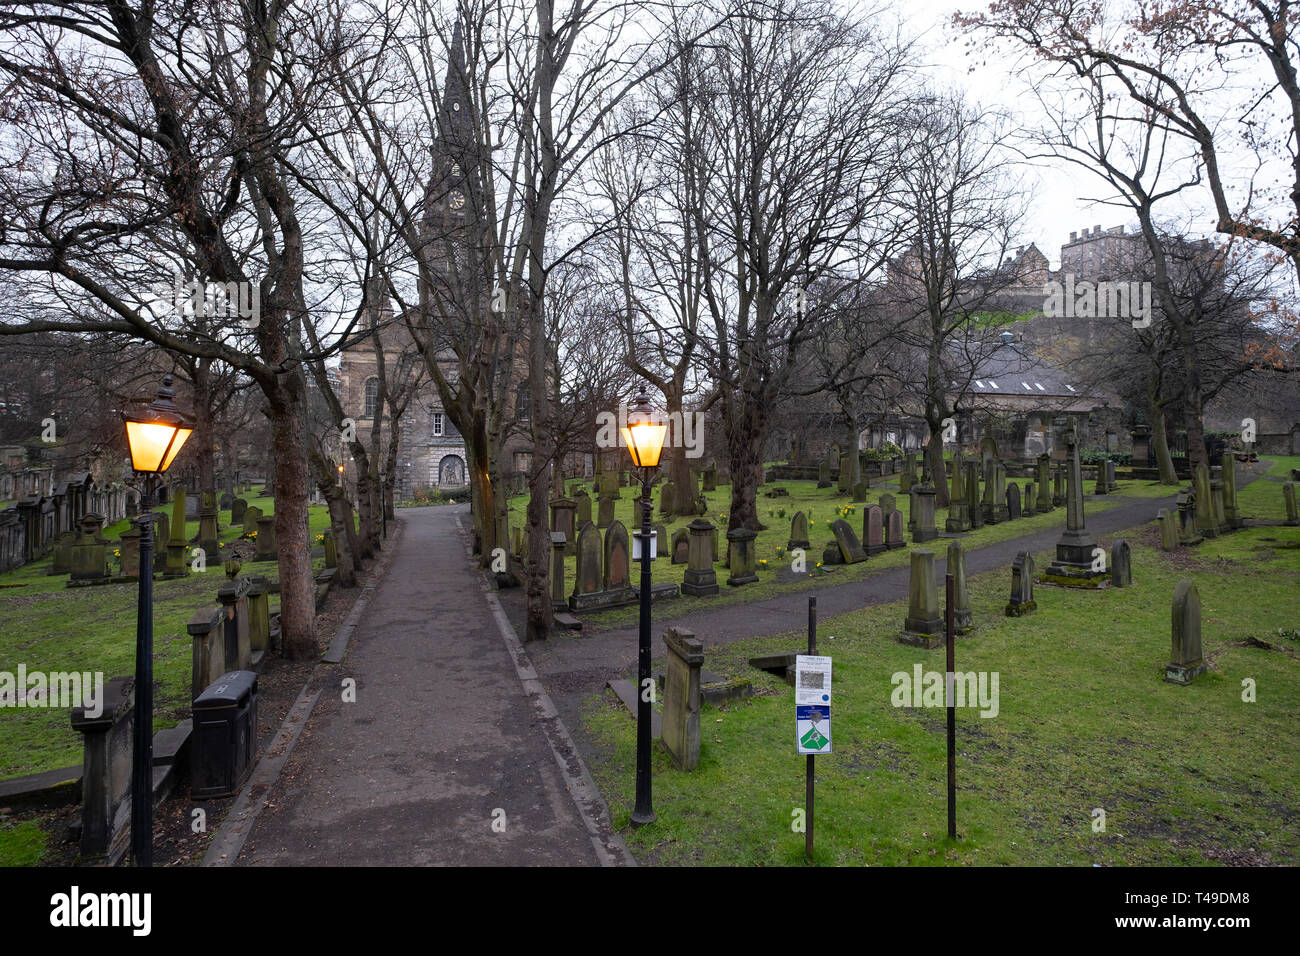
(225, 735)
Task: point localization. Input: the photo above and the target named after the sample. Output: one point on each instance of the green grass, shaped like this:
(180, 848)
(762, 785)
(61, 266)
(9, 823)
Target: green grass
(1185, 775)
(46, 626)
(777, 576)
(22, 844)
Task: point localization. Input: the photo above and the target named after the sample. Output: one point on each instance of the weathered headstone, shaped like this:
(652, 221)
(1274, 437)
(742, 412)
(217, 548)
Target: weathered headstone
(994, 505)
(960, 593)
(923, 509)
(582, 503)
(700, 578)
(62, 562)
(252, 515)
(824, 475)
(1058, 486)
(588, 578)
(681, 546)
(681, 717)
(974, 509)
(1121, 570)
(1013, 501)
(266, 545)
(1022, 585)
(958, 517)
(741, 559)
(665, 496)
(227, 501)
(710, 479)
(562, 518)
(923, 626)
(798, 531)
(331, 549)
(1231, 511)
(1187, 535)
(1206, 526)
(618, 562)
(1216, 499)
(237, 509)
(208, 527)
(605, 511)
(106, 771)
(860, 491)
(1168, 529)
(873, 530)
(1288, 499)
(1073, 566)
(90, 553)
(129, 546)
(850, 548)
(894, 530)
(845, 477)
(558, 545)
(1043, 482)
(1186, 659)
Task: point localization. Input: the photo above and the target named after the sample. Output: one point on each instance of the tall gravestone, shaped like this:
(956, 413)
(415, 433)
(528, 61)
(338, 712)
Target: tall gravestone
(974, 509)
(1022, 585)
(1206, 526)
(1044, 483)
(1121, 570)
(661, 542)
(873, 530)
(1013, 501)
(1031, 505)
(923, 626)
(266, 544)
(588, 578)
(681, 717)
(562, 517)
(1073, 566)
(710, 478)
(1288, 499)
(894, 530)
(1058, 486)
(558, 545)
(740, 557)
(700, 578)
(960, 593)
(798, 532)
(923, 507)
(958, 517)
(994, 505)
(824, 475)
(582, 505)
(129, 547)
(237, 509)
(1187, 535)
(1231, 511)
(208, 540)
(1168, 529)
(845, 478)
(1216, 499)
(1186, 659)
(618, 563)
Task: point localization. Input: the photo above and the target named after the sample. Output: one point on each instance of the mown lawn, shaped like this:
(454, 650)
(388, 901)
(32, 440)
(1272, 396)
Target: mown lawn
(1185, 775)
(46, 626)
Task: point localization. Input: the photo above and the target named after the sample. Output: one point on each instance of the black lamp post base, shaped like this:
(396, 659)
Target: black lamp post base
(640, 819)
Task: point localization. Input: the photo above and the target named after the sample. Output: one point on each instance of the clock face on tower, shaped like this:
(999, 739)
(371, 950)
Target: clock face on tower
(456, 200)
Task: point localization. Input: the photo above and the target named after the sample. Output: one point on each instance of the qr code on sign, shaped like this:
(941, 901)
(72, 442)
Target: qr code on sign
(812, 680)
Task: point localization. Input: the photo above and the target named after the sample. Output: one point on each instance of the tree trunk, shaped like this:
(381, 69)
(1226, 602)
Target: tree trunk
(1160, 438)
(345, 576)
(297, 590)
(744, 454)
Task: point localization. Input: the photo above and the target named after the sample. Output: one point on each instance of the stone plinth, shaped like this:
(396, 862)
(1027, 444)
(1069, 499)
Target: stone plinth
(681, 717)
(106, 771)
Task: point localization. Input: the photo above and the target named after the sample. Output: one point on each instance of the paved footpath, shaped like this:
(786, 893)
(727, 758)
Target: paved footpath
(449, 730)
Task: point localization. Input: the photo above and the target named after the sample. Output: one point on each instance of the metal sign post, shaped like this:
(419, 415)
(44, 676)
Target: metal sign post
(812, 700)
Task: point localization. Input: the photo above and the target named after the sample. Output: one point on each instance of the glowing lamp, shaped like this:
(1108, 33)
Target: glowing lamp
(644, 433)
(157, 435)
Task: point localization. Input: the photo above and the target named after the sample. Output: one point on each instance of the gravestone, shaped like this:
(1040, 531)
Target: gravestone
(845, 477)
(1231, 511)
(824, 475)
(62, 562)
(517, 541)
(665, 496)
(960, 593)
(331, 549)
(259, 615)
(226, 502)
(90, 553)
(266, 546)
(618, 564)
(860, 492)
(974, 509)
(923, 626)
(798, 532)
(740, 557)
(1058, 486)
(994, 505)
(681, 547)
(1013, 501)
(177, 563)
(252, 515)
(713, 543)
(894, 530)
(905, 477)
(582, 515)
(958, 517)
(208, 527)
(106, 771)
(129, 546)
(710, 479)
(1206, 526)
(1043, 482)
(605, 511)
(1168, 529)
(850, 548)
(1022, 585)
(1073, 564)
(180, 510)
(562, 518)
(1288, 499)
(558, 544)
(1121, 571)
(237, 509)
(873, 530)
(1187, 535)
(1216, 499)
(588, 578)
(700, 578)
(191, 508)
(661, 542)
(681, 717)
(923, 510)
(1186, 660)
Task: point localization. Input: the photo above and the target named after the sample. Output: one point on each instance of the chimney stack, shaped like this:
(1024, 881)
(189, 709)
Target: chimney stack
(1073, 236)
